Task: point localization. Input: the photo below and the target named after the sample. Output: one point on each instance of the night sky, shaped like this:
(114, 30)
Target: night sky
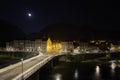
(33, 15)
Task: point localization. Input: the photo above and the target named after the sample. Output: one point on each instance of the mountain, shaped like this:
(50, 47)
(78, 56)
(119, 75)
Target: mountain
(61, 31)
(68, 32)
(57, 32)
(9, 32)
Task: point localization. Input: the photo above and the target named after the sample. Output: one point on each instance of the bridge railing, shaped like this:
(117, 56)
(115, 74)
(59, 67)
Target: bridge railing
(17, 64)
(33, 69)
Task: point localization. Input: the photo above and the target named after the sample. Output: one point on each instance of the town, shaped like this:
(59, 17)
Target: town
(58, 46)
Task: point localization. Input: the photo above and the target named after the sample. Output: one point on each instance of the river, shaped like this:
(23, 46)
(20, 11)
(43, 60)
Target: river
(82, 71)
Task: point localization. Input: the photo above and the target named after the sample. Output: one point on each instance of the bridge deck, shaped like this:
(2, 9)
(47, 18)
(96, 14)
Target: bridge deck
(17, 70)
(29, 67)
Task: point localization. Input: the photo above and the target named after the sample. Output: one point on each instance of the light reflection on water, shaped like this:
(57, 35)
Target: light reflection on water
(84, 71)
(113, 65)
(97, 73)
(76, 74)
(58, 76)
(97, 69)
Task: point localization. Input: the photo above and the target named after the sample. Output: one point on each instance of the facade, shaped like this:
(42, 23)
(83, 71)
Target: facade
(29, 45)
(39, 45)
(19, 45)
(83, 45)
(67, 46)
(9, 46)
(44, 47)
(115, 48)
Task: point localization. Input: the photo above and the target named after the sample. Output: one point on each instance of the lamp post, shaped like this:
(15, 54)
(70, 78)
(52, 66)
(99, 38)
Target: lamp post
(22, 67)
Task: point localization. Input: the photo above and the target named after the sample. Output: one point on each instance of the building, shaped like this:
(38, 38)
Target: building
(9, 46)
(114, 48)
(67, 46)
(21, 45)
(39, 45)
(29, 45)
(44, 47)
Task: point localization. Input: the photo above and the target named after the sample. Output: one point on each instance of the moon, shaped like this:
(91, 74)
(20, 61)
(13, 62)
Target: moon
(29, 14)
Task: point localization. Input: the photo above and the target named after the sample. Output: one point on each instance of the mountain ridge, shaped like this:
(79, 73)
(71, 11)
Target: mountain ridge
(74, 32)
(9, 31)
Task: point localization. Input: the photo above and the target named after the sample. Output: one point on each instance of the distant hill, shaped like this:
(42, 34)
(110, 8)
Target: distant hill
(9, 32)
(73, 32)
(58, 32)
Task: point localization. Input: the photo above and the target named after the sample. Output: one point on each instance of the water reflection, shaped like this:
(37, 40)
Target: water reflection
(97, 73)
(76, 74)
(113, 65)
(58, 77)
(84, 71)
(97, 69)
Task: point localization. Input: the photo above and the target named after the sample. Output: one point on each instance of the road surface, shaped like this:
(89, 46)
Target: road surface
(10, 74)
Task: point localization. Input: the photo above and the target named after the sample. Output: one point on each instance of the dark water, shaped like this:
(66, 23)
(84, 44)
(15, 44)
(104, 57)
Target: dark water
(82, 71)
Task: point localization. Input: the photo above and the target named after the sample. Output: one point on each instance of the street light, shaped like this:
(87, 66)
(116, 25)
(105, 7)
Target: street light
(22, 68)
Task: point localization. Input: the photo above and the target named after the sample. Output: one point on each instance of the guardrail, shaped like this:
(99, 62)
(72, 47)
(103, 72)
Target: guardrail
(33, 69)
(17, 64)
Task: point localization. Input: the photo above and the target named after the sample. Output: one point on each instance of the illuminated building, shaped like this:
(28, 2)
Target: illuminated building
(44, 46)
(53, 46)
(39, 45)
(49, 45)
(92, 41)
(67, 46)
(56, 47)
(18, 45)
(29, 45)
(115, 48)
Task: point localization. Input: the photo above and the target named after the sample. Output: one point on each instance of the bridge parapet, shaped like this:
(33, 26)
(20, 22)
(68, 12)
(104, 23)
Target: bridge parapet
(33, 69)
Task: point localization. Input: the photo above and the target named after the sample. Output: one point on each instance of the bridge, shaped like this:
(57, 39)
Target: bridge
(24, 69)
